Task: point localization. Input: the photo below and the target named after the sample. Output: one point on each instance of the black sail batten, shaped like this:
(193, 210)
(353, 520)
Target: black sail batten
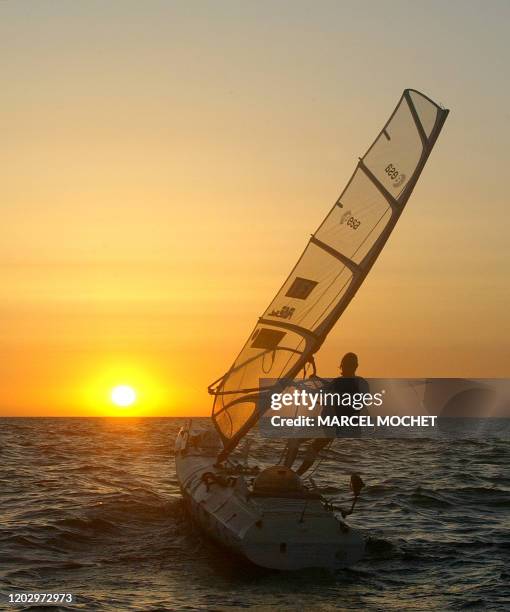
(385, 193)
(332, 267)
(349, 263)
(417, 121)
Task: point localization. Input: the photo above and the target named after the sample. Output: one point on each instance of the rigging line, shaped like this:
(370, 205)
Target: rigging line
(413, 387)
(223, 411)
(282, 454)
(321, 459)
(273, 355)
(244, 398)
(284, 367)
(238, 391)
(286, 445)
(238, 365)
(286, 364)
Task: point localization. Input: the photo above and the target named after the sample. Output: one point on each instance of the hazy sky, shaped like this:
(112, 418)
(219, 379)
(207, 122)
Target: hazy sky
(164, 163)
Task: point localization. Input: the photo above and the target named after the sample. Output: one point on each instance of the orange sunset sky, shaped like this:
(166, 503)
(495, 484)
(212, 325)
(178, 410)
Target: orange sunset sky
(164, 163)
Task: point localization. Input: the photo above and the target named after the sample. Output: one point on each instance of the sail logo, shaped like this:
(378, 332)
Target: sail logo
(325, 399)
(285, 312)
(393, 173)
(345, 216)
(349, 220)
(400, 180)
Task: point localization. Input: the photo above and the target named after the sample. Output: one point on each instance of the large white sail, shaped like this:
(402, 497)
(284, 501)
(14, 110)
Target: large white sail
(333, 266)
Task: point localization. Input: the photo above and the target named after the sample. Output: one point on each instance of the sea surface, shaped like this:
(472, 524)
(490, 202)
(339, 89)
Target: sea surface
(92, 507)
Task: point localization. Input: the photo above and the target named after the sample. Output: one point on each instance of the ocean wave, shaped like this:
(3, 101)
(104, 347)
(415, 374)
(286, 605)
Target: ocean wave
(99, 508)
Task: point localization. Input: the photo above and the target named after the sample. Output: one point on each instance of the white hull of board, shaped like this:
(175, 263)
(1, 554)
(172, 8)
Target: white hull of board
(282, 533)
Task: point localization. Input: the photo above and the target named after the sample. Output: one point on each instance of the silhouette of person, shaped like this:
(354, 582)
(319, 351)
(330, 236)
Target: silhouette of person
(348, 383)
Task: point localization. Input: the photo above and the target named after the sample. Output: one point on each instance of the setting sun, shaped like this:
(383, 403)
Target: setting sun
(123, 396)
(124, 387)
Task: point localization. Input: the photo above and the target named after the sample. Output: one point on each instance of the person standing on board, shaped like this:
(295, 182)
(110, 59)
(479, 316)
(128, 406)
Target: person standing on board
(347, 383)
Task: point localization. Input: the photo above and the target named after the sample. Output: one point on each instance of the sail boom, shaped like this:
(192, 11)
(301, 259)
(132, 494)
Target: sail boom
(295, 328)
